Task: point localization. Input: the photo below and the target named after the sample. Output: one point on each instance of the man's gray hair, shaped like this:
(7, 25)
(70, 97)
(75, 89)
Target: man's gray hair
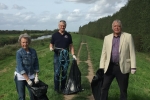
(25, 35)
(118, 21)
(63, 22)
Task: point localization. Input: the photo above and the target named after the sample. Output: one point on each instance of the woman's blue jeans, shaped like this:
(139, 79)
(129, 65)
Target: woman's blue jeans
(20, 86)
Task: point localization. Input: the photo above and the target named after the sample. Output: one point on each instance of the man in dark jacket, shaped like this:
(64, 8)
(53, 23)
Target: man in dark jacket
(61, 40)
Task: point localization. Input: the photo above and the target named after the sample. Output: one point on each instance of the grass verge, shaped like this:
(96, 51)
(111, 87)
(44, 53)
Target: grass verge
(139, 84)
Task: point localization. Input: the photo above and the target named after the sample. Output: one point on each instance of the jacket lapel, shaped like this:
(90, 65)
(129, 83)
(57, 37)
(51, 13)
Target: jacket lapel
(110, 42)
(121, 41)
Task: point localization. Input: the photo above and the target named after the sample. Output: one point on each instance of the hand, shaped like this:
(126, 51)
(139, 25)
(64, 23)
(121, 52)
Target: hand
(36, 80)
(101, 71)
(74, 57)
(133, 71)
(29, 82)
(51, 49)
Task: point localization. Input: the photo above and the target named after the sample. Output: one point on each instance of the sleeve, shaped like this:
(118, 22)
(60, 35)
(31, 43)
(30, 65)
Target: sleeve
(36, 63)
(132, 53)
(70, 39)
(52, 39)
(103, 56)
(20, 68)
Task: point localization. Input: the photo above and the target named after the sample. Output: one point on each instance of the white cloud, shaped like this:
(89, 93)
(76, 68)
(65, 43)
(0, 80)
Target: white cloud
(3, 6)
(58, 1)
(104, 8)
(46, 15)
(75, 15)
(101, 7)
(59, 16)
(18, 19)
(44, 19)
(62, 15)
(82, 1)
(18, 7)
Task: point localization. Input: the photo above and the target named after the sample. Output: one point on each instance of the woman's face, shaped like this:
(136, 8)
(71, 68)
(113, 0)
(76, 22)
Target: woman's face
(25, 43)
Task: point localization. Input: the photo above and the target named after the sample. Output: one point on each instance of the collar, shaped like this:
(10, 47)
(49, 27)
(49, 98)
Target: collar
(62, 33)
(25, 52)
(117, 35)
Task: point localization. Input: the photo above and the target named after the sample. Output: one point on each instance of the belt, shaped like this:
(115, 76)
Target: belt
(115, 63)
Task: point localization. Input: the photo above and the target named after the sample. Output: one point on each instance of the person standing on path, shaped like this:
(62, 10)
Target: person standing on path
(61, 41)
(27, 68)
(117, 60)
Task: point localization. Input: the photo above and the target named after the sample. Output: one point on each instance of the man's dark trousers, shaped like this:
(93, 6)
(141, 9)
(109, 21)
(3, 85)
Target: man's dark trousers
(122, 79)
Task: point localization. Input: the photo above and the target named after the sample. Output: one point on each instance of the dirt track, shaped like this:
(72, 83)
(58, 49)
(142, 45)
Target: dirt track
(90, 74)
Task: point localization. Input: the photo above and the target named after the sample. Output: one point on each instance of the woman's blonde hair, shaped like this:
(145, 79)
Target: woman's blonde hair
(25, 35)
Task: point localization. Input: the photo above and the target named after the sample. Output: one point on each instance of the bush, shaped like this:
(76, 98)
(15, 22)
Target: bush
(8, 50)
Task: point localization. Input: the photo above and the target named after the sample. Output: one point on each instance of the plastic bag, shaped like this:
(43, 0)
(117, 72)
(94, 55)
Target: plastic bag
(73, 84)
(97, 83)
(39, 90)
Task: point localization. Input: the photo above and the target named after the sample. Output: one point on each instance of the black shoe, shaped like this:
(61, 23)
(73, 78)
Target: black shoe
(62, 91)
(57, 91)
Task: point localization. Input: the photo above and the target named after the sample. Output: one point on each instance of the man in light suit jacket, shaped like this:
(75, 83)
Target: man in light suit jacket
(117, 59)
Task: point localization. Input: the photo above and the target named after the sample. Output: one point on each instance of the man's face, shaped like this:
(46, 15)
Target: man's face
(62, 26)
(116, 28)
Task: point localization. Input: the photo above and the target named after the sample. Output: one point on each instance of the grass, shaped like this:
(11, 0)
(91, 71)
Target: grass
(83, 56)
(84, 83)
(95, 48)
(83, 66)
(7, 39)
(139, 84)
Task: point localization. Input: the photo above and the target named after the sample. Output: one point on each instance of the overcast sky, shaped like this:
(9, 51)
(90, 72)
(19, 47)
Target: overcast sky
(45, 14)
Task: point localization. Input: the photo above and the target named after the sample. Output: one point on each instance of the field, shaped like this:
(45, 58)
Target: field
(139, 83)
(6, 39)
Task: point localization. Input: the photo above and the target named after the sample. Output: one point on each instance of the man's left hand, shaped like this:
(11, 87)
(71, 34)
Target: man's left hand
(51, 49)
(74, 57)
(133, 71)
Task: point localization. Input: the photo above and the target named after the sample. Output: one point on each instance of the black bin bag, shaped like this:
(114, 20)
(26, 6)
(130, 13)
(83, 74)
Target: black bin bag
(73, 84)
(97, 83)
(39, 90)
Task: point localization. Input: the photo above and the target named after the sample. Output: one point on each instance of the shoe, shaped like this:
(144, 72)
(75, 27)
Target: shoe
(62, 91)
(57, 91)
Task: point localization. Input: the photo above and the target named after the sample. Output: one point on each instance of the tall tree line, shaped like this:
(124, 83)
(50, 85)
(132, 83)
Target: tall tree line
(135, 18)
